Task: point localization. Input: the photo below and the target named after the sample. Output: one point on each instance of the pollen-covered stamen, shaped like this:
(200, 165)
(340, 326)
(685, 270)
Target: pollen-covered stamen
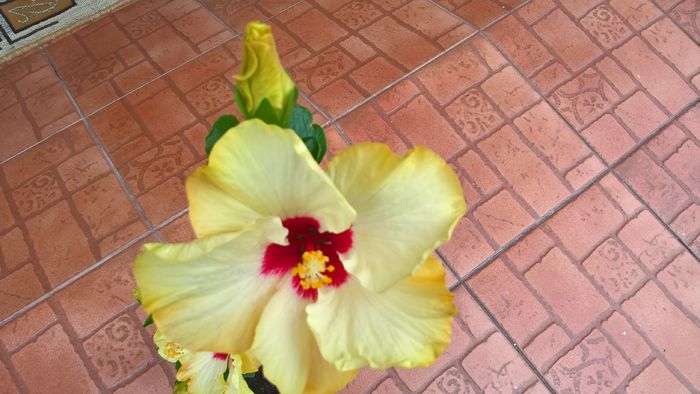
(312, 270)
(311, 256)
(173, 350)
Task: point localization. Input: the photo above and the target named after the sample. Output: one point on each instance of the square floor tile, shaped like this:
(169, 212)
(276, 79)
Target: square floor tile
(622, 71)
(686, 15)
(237, 14)
(478, 359)
(155, 136)
(61, 210)
(33, 104)
(42, 359)
(132, 46)
(577, 292)
(664, 172)
(98, 317)
(480, 12)
(339, 53)
(517, 158)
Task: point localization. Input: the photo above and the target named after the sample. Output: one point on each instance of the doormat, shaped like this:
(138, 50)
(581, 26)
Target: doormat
(24, 24)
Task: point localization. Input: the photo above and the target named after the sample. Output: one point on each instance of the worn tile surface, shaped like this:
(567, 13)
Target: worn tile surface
(573, 126)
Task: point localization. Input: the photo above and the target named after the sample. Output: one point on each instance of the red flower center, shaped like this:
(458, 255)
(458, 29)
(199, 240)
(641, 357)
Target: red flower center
(311, 257)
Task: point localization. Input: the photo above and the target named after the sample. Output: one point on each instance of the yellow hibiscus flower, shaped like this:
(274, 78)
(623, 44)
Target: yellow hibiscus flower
(203, 372)
(314, 274)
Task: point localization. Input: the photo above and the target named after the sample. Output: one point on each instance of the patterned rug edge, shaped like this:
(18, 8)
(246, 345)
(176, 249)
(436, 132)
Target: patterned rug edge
(80, 22)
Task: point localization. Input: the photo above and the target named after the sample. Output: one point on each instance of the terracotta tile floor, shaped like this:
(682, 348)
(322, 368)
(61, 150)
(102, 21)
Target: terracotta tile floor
(574, 125)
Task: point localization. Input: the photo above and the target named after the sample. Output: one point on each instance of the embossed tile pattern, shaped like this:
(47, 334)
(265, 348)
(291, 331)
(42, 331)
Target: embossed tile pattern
(593, 294)
(618, 65)
(32, 103)
(573, 126)
(134, 45)
(516, 156)
(341, 52)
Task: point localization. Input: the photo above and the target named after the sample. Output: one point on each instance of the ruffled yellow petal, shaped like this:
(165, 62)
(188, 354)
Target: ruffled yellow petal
(406, 207)
(285, 346)
(250, 363)
(203, 373)
(259, 170)
(207, 295)
(235, 383)
(408, 325)
(213, 210)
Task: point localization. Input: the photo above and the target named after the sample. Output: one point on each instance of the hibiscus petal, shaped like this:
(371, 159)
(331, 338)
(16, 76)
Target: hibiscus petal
(408, 325)
(235, 383)
(406, 207)
(203, 373)
(207, 295)
(256, 170)
(287, 350)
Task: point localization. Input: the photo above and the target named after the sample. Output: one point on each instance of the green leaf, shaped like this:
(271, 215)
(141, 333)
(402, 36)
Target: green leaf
(311, 134)
(289, 107)
(220, 127)
(301, 121)
(239, 102)
(266, 113)
(178, 364)
(148, 321)
(320, 137)
(226, 374)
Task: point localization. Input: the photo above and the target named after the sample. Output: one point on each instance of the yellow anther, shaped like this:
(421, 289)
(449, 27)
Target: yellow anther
(311, 270)
(173, 350)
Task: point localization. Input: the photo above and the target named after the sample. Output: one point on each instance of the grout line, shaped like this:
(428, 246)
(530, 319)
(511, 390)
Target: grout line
(404, 77)
(510, 339)
(74, 278)
(655, 214)
(608, 166)
(40, 141)
(213, 15)
(316, 107)
(429, 61)
(496, 323)
(160, 76)
(171, 219)
(342, 133)
(103, 151)
(100, 108)
(92, 267)
(536, 224)
(609, 169)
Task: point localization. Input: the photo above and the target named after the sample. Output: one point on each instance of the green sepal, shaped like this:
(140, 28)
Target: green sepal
(137, 294)
(239, 102)
(266, 113)
(289, 107)
(148, 321)
(226, 374)
(218, 129)
(180, 387)
(178, 364)
(311, 134)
